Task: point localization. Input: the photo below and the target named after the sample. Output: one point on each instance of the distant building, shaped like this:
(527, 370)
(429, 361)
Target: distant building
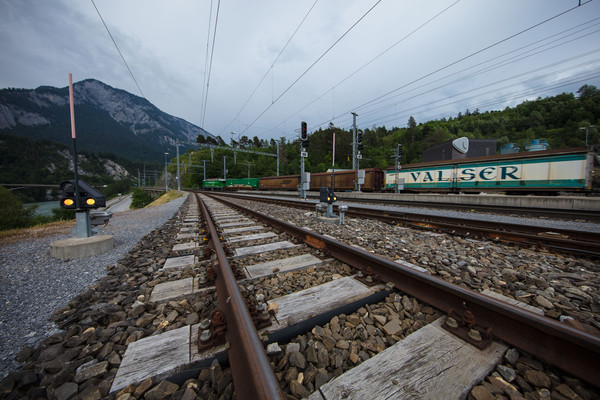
(449, 151)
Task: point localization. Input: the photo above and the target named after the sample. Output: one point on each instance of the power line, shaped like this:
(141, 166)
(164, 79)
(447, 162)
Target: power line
(472, 55)
(495, 66)
(529, 92)
(312, 65)
(271, 67)
(459, 61)
(489, 69)
(121, 54)
(211, 60)
(370, 61)
(590, 75)
(206, 56)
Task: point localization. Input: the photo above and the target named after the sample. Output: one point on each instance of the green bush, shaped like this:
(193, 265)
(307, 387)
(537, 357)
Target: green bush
(139, 198)
(12, 213)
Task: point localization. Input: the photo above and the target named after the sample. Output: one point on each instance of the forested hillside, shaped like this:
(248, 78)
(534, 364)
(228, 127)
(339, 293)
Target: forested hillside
(557, 119)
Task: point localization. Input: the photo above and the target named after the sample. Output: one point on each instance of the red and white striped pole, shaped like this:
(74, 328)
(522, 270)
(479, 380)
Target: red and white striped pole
(72, 105)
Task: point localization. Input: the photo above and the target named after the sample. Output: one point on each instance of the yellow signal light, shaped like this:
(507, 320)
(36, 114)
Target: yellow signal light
(68, 202)
(90, 201)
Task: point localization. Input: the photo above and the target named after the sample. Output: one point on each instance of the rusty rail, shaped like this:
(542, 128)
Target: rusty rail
(574, 351)
(253, 377)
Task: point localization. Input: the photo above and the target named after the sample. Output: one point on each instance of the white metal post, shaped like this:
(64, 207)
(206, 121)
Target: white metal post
(354, 160)
(166, 185)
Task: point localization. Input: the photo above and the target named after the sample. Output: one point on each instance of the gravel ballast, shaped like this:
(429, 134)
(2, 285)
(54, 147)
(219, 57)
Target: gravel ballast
(33, 285)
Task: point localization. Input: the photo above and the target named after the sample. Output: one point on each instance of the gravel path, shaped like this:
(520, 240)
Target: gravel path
(33, 285)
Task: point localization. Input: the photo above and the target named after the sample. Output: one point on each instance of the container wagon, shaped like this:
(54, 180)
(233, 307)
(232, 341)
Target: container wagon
(344, 180)
(287, 182)
(540, 171)
(241, 183)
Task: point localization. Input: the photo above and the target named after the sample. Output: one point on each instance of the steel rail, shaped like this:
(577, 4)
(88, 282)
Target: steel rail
(253, 377)
(558, 239)
(498, 209)
(575, 352)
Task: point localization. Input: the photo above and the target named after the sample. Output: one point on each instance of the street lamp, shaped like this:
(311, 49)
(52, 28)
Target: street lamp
(232, 145)
(166, 187)
(586, 133)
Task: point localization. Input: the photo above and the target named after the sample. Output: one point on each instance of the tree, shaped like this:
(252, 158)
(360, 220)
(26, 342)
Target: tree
(587, 91)
(139, 198)
(220, 141)
(12, 213)
(412, 129)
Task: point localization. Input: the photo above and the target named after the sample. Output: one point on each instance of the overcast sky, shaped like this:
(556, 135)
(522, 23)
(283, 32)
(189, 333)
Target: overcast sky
(443, 56)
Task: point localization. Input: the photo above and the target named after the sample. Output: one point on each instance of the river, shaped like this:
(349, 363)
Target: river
(45, 207)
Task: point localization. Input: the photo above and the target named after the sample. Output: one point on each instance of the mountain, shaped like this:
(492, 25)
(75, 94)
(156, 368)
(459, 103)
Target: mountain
(107, 120)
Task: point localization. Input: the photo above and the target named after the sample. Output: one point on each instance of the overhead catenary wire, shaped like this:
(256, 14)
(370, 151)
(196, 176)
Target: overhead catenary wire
(457, 61)
(313, 64)
(209, 26)
(271, 67)
(430, 104)
(119, 50)
(404, 99)
(370, 61)
(211, 61)
(489, 68)
(514, 96)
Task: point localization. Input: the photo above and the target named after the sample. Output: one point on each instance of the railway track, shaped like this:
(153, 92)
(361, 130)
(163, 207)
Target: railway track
(472, 314)
(328, 331)
(558, 213)
(570, 214)
(527, 235)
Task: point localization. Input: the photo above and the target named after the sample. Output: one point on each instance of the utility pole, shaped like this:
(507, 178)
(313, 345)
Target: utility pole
(354, 115)
(398, 166)
(303, 155)
(166, 180)
(278, 144)
(586, 133)
(354, 164)
(224, 168)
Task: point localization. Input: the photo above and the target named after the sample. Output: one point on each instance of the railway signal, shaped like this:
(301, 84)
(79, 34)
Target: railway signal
(86, 197)
(359, 141)
(304, 135)
(326, 195)
(399, 152)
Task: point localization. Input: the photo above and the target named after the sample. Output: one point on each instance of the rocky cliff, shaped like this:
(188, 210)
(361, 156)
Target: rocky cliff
(107, 120)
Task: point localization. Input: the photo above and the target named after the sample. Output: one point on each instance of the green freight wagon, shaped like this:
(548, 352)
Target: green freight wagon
(241, 183)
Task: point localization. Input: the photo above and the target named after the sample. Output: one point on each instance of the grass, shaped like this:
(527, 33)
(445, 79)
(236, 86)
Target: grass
(53, 228)
(165, 198)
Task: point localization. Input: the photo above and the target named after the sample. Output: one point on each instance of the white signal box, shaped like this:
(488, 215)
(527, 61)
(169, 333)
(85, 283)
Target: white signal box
(361, 176)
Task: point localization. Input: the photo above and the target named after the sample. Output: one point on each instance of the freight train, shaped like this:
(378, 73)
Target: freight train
(541, 171)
